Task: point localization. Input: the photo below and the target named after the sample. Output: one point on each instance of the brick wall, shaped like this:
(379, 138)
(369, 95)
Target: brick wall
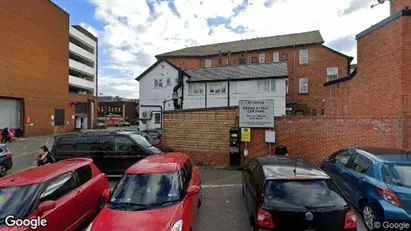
(204, 134)
(400, 5)
(34, 62)
(320, 58)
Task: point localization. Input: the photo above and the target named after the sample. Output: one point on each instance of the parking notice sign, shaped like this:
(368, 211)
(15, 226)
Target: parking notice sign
(257, 113)
(246, 135)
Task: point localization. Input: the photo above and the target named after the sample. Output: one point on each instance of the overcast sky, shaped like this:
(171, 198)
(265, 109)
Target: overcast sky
(132, 32)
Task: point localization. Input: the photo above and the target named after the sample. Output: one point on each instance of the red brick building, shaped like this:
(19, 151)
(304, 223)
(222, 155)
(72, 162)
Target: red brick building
(34, 71)
(306, 56)
(381, 85)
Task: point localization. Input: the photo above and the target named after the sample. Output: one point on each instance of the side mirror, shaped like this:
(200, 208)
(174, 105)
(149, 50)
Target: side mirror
(193, 190)
(45, 206)
(106, 194)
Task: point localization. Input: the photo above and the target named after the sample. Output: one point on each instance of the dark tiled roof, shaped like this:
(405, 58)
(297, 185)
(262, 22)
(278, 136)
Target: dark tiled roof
(273, 70)
(304, 38)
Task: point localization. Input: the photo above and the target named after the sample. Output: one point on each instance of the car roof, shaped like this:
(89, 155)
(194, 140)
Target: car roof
(167, 162)
(282, 167)
(44, 173)
(385, 154)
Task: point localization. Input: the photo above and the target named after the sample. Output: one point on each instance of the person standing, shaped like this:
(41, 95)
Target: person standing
(44, 157)
(5, 135)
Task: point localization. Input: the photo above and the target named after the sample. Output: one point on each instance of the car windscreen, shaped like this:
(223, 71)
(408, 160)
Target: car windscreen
(397, 174)
(16, 201)
(303, 194)
(141, 140)
(147, 137)
(143, 191)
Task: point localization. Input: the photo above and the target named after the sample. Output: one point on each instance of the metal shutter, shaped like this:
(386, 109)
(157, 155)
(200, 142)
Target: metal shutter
(9, 113)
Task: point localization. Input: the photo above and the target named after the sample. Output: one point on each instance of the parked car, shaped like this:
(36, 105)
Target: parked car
(287, 193)
(161, 192)
(163, 147)
(112, 152)
(6, 160)
(155, 134)
(67, 194)
(376, 181)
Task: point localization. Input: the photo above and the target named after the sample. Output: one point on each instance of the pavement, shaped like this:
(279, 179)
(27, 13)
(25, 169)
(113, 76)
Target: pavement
(223, 206)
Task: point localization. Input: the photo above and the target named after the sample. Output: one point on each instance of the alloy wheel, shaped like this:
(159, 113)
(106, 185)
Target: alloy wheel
(368, 216)
(2, 170)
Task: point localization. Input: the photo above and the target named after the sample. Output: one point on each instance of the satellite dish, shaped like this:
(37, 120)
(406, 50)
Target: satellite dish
(381, 1)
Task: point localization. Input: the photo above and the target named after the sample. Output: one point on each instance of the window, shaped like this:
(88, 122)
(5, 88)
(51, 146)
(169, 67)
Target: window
(254, 60)
(361, 164)
(84, 174)
(341, 158)
(58, 187)
(160, 83)
(217, 88)
(155, 83)
(106, 143)
(266, 85)
(220, 60)
(208, 63)
(241, 61)
(59, 117)
(123, 143)
(212, 86)
(195, 88)
(397, 174)
(286, 86)
(157, 118)
(314, 112)
(332, 73)
(168, 81)
(276, 57)
(303, 56)
(304, 85)
(284, 57)
(261, 58)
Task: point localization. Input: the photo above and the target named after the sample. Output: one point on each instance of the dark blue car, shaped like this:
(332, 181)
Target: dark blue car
(376, 181)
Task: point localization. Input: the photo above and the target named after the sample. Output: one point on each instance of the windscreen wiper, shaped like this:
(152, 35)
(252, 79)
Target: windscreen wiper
(130, 206)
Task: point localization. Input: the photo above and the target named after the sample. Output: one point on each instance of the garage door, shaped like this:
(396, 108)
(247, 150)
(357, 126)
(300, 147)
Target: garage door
(9, 113)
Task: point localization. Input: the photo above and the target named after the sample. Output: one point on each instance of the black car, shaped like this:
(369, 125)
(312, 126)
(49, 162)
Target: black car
(286, 193)
(155, 134)
(6, 161)
(163, 147)
(112, 152)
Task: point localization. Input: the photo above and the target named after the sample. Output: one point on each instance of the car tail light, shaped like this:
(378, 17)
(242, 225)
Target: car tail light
(264, 219)
(389, 196)
(350, 220)
(9, 155)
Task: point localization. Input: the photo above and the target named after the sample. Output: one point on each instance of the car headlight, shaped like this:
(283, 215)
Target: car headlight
(89, 227)
(178, 226)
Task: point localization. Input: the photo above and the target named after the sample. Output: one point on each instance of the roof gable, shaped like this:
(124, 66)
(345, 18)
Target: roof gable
(153, 66)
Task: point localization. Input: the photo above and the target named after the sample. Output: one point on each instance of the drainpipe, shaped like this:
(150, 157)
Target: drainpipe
(205, 95)
(175, 89)
(295, 80)
(228, 92)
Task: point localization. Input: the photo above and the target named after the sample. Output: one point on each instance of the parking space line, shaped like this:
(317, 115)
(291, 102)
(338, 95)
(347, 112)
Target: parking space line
(220, 185)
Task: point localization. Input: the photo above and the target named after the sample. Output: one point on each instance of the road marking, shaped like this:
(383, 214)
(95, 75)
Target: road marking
(220, 185)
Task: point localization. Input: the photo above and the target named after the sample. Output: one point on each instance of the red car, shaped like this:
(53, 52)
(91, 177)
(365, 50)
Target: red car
(54, 197)
(160, 192)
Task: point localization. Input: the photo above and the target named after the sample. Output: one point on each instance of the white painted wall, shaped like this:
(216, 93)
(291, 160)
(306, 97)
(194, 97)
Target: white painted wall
(149, 95)
(239, 90)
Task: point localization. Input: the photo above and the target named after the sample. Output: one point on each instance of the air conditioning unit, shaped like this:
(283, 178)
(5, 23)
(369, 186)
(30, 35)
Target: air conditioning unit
(145, 114)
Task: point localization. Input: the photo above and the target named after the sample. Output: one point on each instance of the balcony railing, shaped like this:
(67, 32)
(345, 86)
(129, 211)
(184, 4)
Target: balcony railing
(82, 68)
(81, 52)
(82, 83)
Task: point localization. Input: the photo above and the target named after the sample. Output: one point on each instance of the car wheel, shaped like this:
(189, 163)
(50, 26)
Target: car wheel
(368, 215)
(3, 170)
(101, 203)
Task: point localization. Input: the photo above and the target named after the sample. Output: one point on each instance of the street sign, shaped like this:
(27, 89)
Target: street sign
(256, 113)
(246, 135)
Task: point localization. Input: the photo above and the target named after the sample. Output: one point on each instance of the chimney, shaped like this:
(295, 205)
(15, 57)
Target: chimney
(229, 58)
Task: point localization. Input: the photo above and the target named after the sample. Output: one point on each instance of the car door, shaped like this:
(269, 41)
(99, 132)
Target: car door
(62, 190)
(89, 145)
(255, 192)
(247, 181)
(336, 167)
(187, 201)
(356, 177)
(193, 180)
(107, 160)
(127, 153)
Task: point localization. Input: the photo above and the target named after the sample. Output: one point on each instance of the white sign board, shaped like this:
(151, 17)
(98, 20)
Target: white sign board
(270, 136)
(256, 113)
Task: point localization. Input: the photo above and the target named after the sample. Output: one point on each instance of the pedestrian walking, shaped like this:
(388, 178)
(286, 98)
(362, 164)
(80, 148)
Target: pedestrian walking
(5, 135)
(44, 157)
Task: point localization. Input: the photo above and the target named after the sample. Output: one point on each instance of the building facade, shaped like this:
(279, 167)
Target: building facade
(165, 87)
(34, 69)
(309, 62)
(126, 108)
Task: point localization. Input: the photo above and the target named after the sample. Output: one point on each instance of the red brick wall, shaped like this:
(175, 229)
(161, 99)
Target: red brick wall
(204, 134)
(400, 5)
(34, 61)
(320, 58)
